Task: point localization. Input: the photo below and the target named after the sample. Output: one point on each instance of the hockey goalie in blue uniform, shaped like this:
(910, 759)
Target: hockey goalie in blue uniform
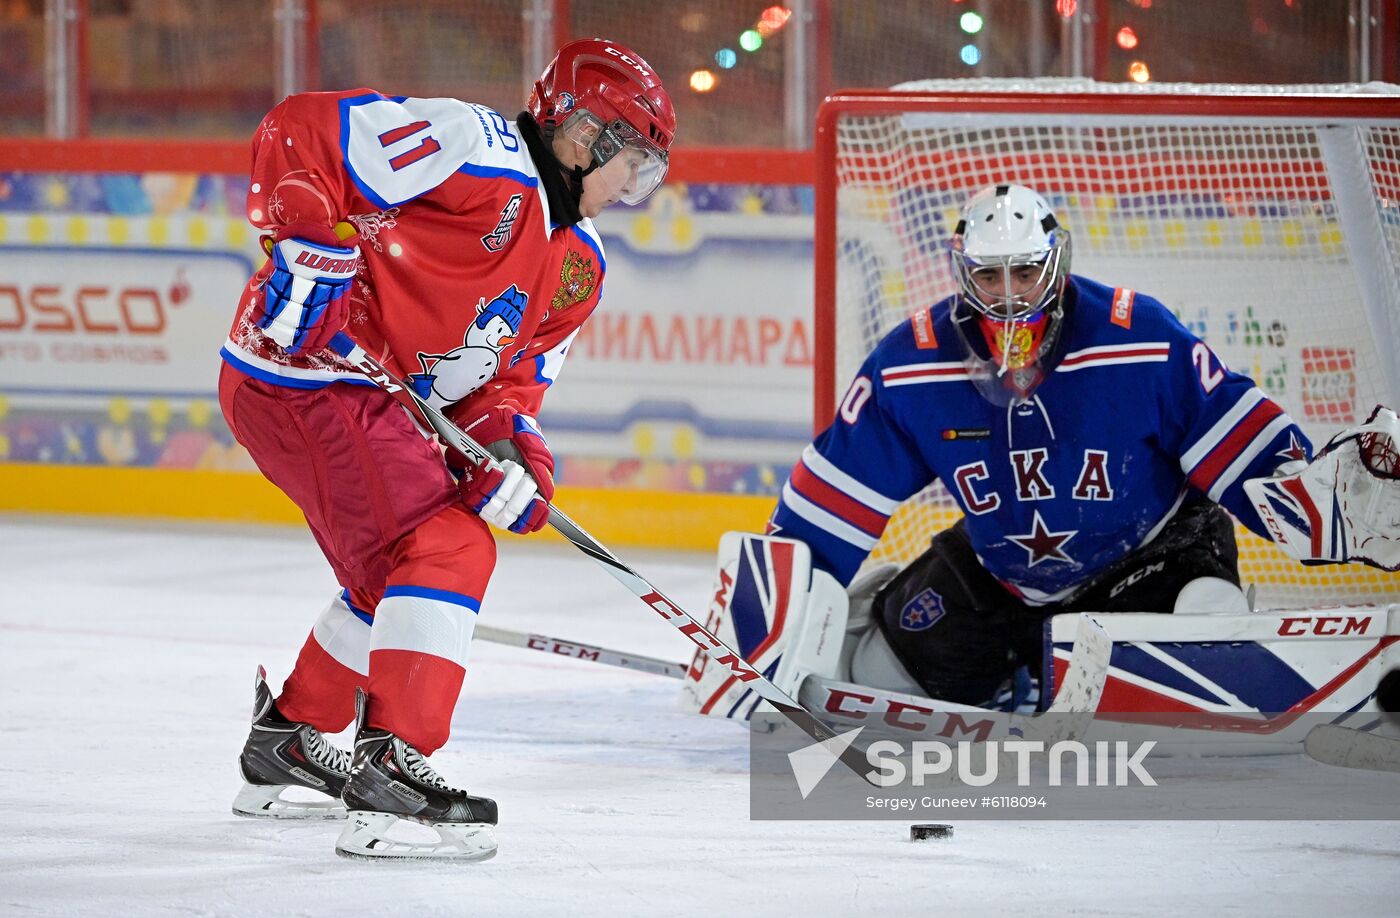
(1096, 448)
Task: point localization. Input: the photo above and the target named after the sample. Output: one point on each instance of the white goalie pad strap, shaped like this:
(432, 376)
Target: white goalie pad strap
(815, 638)
(768, 604)
(1345, 505)
(1211, 594)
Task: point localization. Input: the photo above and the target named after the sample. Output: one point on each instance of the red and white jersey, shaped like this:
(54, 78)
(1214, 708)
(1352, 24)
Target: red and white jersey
(471, 272)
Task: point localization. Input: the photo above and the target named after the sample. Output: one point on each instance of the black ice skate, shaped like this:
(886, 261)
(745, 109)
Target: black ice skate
(282, 756)
(392, 787)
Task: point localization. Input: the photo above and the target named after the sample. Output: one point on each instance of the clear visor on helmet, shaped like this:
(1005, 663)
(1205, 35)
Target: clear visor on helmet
(1014, 313)
(645, 163)
(1008, 287)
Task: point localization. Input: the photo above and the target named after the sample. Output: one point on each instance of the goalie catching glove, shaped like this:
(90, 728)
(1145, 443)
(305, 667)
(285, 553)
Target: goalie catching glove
(514, 494)
(305, 298)
(1345, 504)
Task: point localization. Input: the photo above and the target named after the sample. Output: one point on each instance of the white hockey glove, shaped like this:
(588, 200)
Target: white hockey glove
(306, 297)
(1344, 505)
(516, 495)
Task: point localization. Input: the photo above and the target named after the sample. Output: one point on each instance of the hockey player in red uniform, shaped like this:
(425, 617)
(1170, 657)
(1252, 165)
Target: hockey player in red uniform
(457, 247)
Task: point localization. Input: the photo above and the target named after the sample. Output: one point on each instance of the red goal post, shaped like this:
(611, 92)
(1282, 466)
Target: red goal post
(1268, 218)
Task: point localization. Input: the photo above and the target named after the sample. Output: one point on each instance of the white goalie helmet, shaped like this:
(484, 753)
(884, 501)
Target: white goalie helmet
(1011, 258)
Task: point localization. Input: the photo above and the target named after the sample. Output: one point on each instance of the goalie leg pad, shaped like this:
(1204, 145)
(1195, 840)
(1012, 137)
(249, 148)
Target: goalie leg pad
(786, 619)
(873, 663)
(860, 619)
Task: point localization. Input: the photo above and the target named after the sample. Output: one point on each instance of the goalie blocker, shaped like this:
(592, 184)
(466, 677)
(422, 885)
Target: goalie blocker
(792, 622)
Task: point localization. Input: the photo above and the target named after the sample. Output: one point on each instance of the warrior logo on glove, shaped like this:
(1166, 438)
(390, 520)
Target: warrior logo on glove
(305, 297)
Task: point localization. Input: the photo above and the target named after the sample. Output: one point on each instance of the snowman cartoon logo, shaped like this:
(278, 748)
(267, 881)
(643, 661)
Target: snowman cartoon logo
(450, 377)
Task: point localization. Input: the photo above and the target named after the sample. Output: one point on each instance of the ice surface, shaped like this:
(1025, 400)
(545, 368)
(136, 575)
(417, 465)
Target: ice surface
(127, 654)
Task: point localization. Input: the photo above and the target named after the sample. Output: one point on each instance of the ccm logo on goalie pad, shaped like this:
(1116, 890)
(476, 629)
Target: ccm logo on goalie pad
(1324, 625)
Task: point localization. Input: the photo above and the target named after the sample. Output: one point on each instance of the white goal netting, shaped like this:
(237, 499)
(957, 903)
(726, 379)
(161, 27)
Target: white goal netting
(1268, 218)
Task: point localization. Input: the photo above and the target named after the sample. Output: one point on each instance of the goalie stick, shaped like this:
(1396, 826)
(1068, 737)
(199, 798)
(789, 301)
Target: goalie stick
(1345, 747)
(852, 757)
(1081, 689)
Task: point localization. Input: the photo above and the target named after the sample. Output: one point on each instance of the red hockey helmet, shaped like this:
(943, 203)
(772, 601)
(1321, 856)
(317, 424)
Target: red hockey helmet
(615, 99)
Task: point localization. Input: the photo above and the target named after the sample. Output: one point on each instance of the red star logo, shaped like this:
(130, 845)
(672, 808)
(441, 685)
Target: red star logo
(1295, 449)
(1042, 544)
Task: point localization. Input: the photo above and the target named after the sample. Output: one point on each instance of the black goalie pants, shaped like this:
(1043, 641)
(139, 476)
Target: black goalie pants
(961, 634)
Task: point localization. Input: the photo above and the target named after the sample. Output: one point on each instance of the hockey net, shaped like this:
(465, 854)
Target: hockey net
(1268, 218)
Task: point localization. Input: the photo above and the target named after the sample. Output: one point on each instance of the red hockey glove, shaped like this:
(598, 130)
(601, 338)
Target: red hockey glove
(306, 297)
(515, 496)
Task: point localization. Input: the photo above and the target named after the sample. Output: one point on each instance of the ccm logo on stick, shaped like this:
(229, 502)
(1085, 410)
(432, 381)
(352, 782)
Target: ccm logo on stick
(740, 670)
(1324, 625)
(903, 715)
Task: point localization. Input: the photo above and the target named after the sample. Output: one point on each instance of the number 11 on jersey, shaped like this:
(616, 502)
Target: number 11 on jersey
(427, 147)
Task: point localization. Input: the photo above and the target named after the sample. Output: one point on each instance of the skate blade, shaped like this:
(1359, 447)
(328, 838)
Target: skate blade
(373, 836)
(265, 801)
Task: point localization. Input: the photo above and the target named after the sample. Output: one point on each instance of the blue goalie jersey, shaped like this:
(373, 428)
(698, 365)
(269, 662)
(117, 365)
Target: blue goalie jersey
(1138, 416)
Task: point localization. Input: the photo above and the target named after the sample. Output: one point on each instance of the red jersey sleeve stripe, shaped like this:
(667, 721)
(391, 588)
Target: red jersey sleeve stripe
(838, 504)
(1218, 460)
(1118, 353)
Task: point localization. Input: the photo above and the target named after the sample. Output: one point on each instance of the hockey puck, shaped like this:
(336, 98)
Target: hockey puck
(926, 830)
(1388, 692)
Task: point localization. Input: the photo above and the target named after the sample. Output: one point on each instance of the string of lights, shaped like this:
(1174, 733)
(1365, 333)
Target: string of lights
(1113, 40)
(769, 23)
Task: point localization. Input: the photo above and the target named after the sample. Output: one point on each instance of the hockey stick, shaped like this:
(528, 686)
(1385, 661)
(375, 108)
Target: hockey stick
(1081, 688)
(580, 651)
(674, 615)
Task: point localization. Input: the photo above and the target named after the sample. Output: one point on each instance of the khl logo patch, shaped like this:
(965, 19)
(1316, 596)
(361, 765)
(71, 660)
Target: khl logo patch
(922, 612)
(499, 236)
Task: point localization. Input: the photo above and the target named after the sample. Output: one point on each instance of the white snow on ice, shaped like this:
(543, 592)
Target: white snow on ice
(127, 654)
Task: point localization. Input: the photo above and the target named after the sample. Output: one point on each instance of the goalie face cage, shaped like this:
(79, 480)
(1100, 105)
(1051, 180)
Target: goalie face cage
(1269, 221)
